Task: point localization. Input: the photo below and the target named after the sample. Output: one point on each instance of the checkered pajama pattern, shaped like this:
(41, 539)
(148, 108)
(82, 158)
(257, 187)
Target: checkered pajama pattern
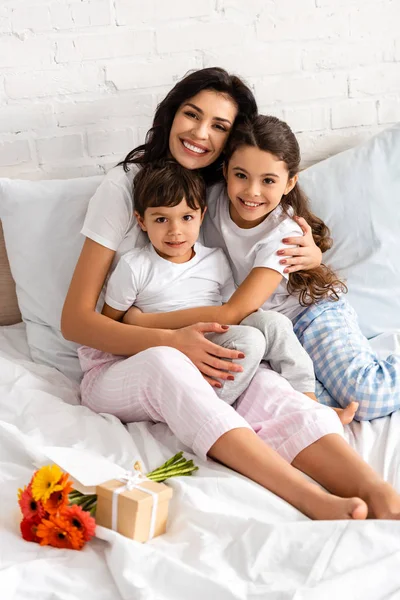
(345, 365)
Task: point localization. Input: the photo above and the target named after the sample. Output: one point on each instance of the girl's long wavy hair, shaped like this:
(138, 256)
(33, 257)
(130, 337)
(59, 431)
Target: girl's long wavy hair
(274, 136)
(157, 138)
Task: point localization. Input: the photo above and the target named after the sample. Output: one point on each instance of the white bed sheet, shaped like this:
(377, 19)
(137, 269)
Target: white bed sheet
(227, 537)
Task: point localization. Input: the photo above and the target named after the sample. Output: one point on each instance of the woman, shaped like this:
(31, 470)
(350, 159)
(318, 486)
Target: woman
(159, 380)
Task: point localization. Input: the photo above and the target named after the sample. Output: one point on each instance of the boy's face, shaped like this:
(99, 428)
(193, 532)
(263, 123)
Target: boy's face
(172, 230)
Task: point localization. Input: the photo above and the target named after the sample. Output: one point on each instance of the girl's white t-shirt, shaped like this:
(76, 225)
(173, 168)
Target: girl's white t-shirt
(250, 248)
(110, 221)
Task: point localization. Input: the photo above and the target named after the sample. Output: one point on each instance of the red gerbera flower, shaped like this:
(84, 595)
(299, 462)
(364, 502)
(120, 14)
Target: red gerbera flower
(30, 508)
(79, 520)
(29, 529)
(57, 532)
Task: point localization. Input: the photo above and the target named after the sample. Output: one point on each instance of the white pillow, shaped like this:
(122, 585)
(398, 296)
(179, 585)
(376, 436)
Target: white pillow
(357, 194)
(42, 222)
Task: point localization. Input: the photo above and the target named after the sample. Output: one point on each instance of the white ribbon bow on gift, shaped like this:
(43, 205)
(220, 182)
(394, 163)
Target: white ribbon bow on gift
(132, 480)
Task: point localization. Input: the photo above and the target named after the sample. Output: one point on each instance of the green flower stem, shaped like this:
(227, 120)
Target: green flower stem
(181, 464)
(75, 494)
(77, 501)
(173, 469)
(88, 501)
(178, 463)
(83, 500)
(171, 460)
(176, 473)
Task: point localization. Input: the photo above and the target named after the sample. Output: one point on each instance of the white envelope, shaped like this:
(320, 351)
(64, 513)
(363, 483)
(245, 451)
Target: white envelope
(86, 468)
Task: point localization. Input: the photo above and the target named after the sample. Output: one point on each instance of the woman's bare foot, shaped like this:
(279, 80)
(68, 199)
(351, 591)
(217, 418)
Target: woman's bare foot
(383, 502)
(346, 415)
(322, 506)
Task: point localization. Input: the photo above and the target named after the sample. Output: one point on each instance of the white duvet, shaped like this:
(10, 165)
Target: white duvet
(227, 537)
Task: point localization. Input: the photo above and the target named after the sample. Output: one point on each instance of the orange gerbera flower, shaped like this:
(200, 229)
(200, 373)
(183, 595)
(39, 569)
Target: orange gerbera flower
(59, 499)
(80, 520)
(57, 532)
(30, 508)
(46, 481)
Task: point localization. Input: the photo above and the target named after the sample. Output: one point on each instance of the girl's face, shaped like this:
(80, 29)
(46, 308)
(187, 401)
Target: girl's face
(256, 181)
(201, 128)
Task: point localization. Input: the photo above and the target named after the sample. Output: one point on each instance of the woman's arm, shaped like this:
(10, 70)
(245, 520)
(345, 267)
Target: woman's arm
(304, 254)
(82, 324)
(258, 286)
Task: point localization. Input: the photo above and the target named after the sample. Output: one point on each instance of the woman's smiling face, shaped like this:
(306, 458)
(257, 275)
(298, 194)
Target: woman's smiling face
(201, 128)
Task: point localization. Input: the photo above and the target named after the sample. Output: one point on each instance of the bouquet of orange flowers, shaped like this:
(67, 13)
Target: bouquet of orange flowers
(54, 514)
(51, 515)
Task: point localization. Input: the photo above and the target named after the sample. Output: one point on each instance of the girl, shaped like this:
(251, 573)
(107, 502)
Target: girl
(251, 216)
(158, 380)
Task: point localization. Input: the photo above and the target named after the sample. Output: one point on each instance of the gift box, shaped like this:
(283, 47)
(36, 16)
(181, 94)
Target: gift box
(138, 511)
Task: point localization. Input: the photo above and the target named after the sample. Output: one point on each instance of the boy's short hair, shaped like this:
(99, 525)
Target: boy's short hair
(165, 182)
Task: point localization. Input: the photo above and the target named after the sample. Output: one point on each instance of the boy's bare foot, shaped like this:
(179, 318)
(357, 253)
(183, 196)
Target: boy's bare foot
(383, 502)
(346, 415)
(323, 506)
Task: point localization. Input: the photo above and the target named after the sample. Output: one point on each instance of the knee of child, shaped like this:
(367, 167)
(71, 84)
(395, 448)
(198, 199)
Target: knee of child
(277, 320)
(267, 320)
(252, 343)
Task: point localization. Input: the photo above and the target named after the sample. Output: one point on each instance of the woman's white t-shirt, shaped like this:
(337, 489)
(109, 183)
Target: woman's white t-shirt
(110, 221)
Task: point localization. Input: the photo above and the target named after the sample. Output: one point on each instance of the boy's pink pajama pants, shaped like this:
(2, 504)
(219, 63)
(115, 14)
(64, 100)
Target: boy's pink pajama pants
(163, 385)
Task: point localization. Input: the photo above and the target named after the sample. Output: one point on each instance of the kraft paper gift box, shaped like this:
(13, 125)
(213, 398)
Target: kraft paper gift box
(133, 510)
(139, 513)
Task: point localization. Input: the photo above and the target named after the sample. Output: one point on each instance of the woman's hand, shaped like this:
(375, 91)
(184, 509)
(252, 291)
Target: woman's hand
(306, 255)
(205, 355)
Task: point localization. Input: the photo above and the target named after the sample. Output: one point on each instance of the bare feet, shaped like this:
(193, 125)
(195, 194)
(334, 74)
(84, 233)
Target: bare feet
(383, 502)
(346, 415)
(323, 506)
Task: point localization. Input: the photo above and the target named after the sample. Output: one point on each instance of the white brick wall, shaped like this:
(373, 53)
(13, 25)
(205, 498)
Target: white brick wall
(80, 79)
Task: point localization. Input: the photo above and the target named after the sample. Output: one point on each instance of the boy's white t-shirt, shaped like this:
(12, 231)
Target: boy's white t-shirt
(111, 222)
(250, 248)
(154, 284)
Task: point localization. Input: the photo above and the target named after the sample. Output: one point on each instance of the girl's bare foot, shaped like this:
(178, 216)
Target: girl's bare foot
(322, 506)
(346, 415)
(383, 502)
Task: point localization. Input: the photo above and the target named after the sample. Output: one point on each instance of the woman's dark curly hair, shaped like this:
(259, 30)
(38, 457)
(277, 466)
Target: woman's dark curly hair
(272, 135)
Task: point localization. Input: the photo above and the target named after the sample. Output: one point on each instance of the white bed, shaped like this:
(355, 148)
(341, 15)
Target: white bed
(227, 537)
